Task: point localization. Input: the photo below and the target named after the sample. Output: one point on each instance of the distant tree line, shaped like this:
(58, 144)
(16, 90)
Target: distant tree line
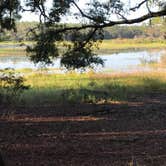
(155, 28)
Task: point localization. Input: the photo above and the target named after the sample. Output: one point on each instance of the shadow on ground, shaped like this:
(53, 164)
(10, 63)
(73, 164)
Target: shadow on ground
(116, 133)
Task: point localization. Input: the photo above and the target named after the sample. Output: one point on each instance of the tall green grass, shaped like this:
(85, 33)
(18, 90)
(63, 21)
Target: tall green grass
(50, 89)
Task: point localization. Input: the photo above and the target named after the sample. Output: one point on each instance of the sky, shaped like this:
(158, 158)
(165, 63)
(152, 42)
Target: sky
(34, 17)
(27, 16)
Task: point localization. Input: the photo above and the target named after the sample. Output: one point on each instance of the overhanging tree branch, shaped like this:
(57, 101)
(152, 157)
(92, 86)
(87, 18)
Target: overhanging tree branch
(79, 52)
(138, 6)
(83, 14)
(112, 23)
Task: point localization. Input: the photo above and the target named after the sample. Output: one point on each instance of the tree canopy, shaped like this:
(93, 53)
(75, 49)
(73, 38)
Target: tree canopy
(51, 34)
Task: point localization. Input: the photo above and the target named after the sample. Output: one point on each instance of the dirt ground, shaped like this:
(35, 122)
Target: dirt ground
(129, 133)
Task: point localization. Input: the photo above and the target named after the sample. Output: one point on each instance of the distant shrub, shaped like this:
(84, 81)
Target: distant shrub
(11, 85)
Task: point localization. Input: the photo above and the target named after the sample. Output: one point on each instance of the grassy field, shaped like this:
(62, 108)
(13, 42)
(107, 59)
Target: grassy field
(50, 89)
(86, 119)
(12, 51)
(107, 46)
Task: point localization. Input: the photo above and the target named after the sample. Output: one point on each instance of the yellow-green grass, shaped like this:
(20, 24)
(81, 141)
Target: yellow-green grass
(12, 48)
(75, 80)
(107, 46)
(50, 89)
(124, 44)
(12, 51)
(16, 43)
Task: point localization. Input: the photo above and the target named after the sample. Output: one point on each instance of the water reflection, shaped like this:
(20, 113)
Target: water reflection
(123, 61)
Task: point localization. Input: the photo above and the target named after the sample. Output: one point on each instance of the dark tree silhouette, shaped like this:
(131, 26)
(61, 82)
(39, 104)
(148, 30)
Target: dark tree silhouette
(83, 37)
(1, 161)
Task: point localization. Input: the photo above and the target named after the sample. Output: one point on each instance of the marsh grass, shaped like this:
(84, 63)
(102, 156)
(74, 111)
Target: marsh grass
(12, 51)
(107, 46)
(51, 89)
(161, 64)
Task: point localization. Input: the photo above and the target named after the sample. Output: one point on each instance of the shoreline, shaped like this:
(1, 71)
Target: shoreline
(106, 47)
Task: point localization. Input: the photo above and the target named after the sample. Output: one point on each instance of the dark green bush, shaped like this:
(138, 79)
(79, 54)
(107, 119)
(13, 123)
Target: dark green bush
(11, 86)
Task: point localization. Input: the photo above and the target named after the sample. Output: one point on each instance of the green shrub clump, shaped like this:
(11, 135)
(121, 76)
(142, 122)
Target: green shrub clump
(11, 86)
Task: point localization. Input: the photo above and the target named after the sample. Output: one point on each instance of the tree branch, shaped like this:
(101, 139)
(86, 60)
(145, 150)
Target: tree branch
(138, 6)
(87, 40)
(112, 23)
(83, 14)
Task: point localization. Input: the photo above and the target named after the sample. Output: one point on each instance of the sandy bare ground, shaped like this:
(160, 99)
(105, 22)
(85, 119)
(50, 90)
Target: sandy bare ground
(127, 133)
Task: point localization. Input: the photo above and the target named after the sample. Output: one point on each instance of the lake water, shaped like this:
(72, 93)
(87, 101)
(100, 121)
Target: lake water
(121, 62)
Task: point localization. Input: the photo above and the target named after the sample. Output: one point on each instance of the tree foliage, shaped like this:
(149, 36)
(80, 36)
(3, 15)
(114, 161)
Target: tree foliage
(9, 12)
(78, 53)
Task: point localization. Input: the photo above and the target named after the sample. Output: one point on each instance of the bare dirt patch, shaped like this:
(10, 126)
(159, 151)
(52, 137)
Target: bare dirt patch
(126, 133)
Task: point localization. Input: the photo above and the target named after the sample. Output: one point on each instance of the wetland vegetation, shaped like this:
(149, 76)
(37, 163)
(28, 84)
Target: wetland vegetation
(50, 89)
(106, 47)
(52, 116)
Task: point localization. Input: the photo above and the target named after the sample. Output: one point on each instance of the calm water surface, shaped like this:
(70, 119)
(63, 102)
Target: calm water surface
(121, 62)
